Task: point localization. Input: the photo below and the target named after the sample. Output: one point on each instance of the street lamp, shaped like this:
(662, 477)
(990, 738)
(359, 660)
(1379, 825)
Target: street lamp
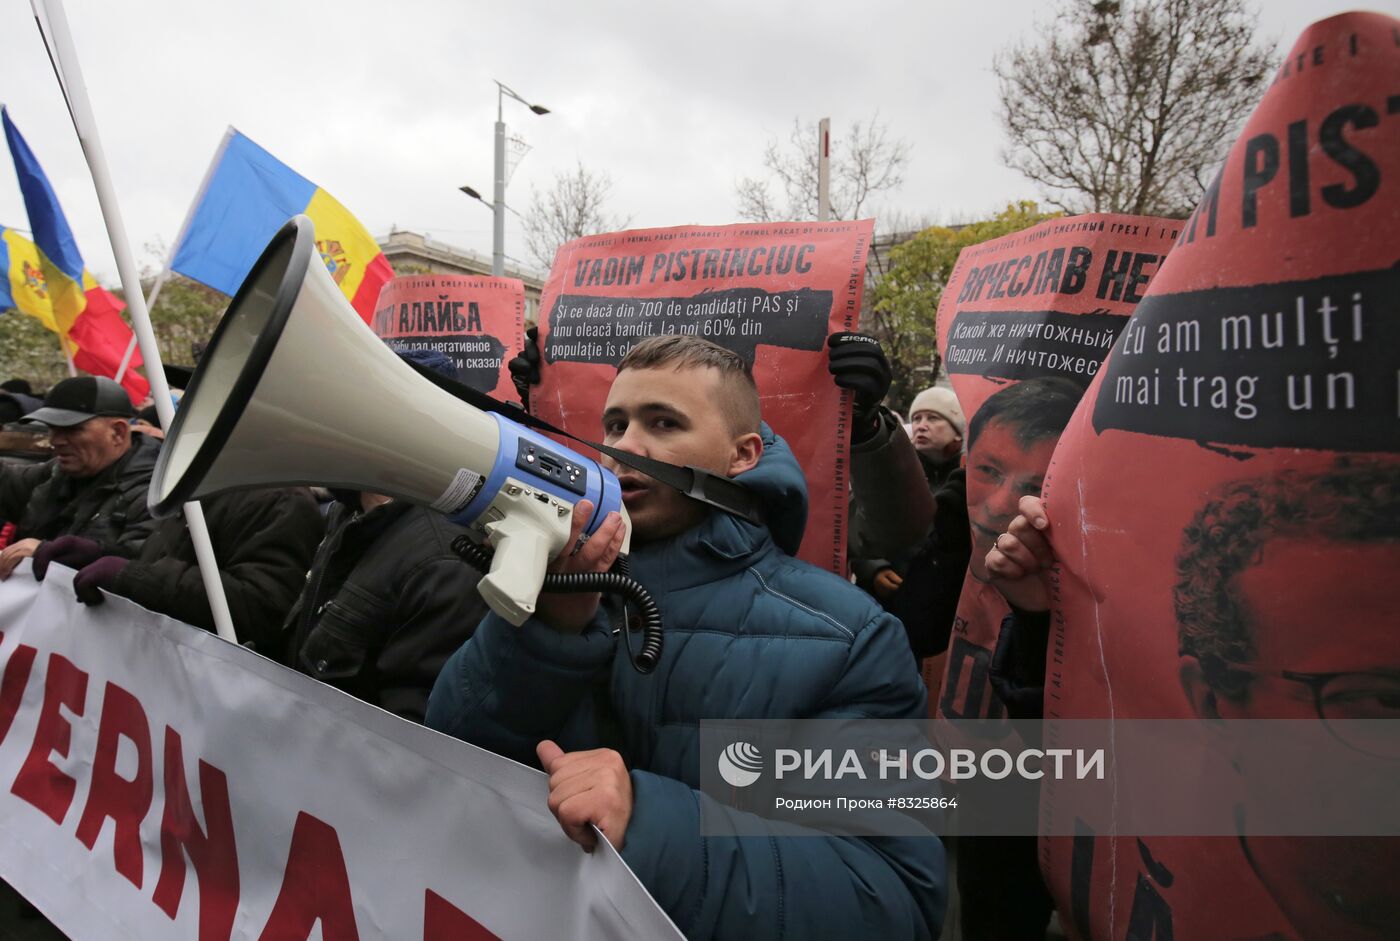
(498, 207)
(472, 192)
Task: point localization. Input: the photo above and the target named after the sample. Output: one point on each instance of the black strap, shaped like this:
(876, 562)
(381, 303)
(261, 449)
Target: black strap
(695, 482)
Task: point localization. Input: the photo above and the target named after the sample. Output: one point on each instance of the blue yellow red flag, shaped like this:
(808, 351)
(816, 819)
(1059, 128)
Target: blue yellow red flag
(24, 289)
(247, 196)
(47, 279)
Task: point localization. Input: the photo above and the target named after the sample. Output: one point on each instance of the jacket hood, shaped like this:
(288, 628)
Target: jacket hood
(781, 490)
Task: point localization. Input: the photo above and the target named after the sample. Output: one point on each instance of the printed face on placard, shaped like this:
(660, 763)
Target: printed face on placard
(1257, 587)
(1001, 469)
(670, 415)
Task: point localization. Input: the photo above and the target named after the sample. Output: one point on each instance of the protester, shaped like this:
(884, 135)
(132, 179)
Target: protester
(387, 600)
(263, 541)
(1255, 580)
(750, 632)
(937, 421)
(96, 484)
(15, 405)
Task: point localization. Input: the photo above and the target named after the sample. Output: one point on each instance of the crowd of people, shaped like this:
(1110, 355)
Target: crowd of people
(366, 593)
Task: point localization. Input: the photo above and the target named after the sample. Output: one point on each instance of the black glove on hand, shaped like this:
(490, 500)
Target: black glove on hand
(525, 368)
(857, 363)
(72, 551)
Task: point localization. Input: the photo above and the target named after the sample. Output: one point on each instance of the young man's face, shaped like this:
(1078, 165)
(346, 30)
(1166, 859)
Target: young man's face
(672, 415)
(933, 435)
(90, 448)
(1304, 620)
(1000, 471)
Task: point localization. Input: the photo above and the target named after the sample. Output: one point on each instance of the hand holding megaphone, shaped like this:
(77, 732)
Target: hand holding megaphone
(571, 613)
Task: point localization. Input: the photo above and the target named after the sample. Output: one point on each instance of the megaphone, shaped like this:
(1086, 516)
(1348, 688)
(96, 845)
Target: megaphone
(295, 389)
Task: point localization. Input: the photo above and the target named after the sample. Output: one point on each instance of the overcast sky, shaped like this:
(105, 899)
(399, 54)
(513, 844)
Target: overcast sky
(390, 107)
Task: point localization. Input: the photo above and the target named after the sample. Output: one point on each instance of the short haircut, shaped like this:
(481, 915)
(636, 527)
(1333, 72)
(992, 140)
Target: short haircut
(1354, 502)
(740, 395)
(17, 385)
(1032, 410)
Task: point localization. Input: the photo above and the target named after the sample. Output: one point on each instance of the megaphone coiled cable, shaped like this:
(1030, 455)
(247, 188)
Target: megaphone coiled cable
(614, 582)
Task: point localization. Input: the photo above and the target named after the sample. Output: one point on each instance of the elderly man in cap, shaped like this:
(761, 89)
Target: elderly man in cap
(96, 484)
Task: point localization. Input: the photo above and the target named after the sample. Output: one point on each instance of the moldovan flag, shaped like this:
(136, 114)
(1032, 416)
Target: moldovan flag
(247, 196)
(47, 279)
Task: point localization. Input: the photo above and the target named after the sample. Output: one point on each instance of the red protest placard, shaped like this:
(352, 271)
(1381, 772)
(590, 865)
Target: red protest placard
(770, 292)
(479, 323)
(1047, 302)
(1224, 505)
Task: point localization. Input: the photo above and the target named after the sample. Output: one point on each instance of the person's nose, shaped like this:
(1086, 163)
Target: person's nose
(1004, 500)
(633, 441)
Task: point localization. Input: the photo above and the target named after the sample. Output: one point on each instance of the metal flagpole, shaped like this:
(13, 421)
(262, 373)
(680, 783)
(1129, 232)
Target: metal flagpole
(70, 79)
(175, 246)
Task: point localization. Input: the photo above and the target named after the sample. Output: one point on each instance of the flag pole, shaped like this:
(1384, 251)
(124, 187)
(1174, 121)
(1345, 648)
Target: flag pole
(70, 79)
(150, 305)
(67, 355)
(175, 246)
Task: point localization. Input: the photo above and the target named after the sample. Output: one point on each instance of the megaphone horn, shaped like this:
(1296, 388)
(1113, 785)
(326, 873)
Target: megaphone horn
(295, 389)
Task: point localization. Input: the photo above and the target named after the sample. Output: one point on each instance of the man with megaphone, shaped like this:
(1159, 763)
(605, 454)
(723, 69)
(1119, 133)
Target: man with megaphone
(296, 389)
(751, 633)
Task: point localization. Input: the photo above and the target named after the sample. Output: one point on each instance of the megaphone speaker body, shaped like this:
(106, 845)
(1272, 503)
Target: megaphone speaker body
(295, 389)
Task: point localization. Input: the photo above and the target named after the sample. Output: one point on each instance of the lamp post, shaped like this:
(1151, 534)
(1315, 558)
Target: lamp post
(498, 207)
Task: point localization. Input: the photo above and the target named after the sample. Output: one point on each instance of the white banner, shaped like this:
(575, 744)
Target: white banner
(159, 783)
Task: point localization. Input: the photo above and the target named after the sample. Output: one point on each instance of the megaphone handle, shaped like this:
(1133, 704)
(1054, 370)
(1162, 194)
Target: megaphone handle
(524, 542)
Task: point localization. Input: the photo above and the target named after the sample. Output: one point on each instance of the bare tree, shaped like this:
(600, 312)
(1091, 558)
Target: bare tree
(1130, 106)
(864, 162)
(571, 208)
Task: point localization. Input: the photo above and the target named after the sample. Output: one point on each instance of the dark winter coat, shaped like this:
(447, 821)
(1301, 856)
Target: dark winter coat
(927, 602)
(386, 602)
(750, 633)
(109, 507)
(263, 541)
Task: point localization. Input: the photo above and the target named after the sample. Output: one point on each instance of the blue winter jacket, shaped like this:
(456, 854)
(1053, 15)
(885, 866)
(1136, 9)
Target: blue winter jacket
(750, 633)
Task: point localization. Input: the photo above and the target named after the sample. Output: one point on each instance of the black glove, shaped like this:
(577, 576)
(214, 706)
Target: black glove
(525, 368)
(857, 363)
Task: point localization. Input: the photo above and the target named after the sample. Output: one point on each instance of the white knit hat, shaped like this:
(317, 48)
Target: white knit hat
(941, 401)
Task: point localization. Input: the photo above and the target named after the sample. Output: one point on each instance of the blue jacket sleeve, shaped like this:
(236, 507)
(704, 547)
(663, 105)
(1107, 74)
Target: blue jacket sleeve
(778, 886)
(508, 687)
(785, 885)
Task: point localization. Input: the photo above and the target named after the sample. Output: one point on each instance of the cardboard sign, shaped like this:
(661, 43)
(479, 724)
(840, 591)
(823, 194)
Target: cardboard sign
(770, 292)
(1046, 302)
(160, 784)
(478, 322)
(1224, 503)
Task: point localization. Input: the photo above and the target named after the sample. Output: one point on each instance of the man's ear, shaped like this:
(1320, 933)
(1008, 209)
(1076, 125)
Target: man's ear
(1198, 692)
(121, 431)
(746, 452)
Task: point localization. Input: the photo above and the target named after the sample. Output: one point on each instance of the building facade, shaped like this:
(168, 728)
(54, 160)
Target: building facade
(411, 253)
